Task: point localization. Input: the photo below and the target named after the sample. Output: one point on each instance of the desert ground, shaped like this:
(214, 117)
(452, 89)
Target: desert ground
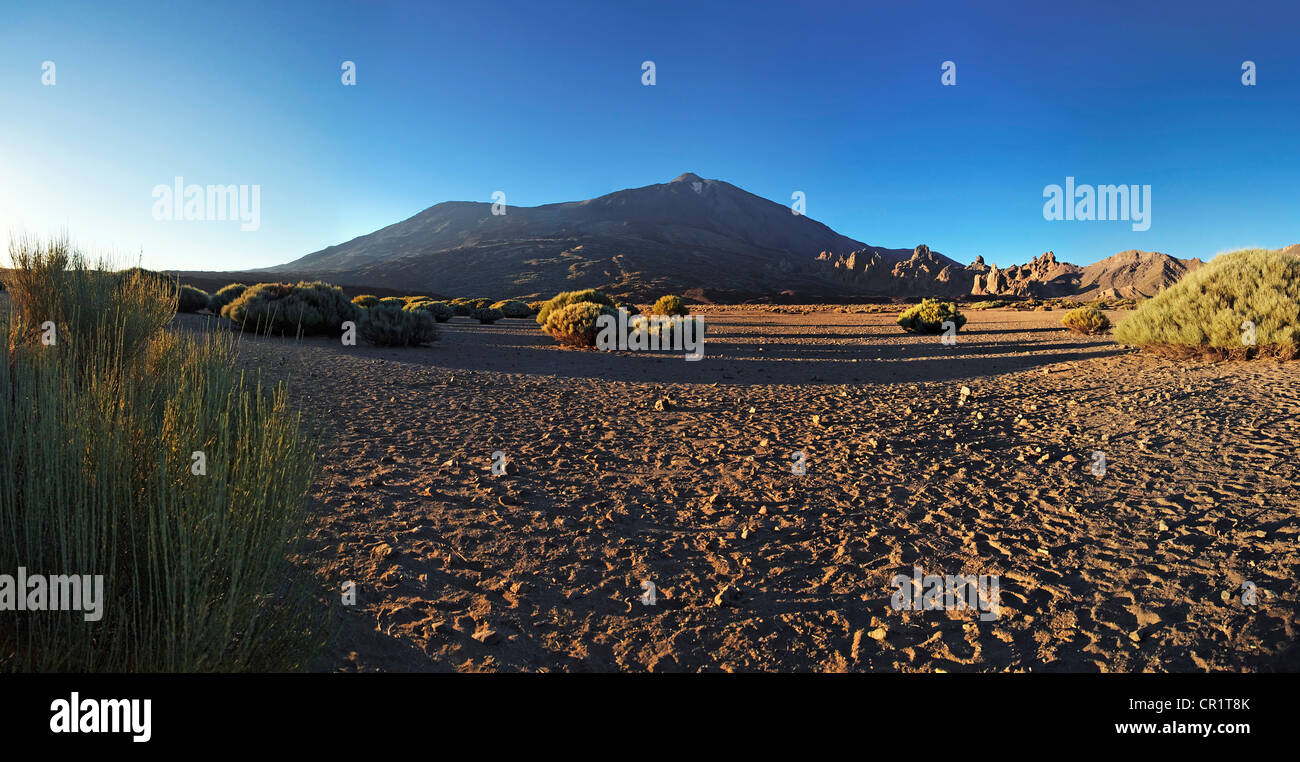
(624, 467)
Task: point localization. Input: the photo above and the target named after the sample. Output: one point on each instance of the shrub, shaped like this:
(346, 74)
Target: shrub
(303, 309)
(669, 304)
(991, 304)
(1086, 320)
(1210, 310)
(536, 306)
(929, 316)
(486, 314)
(389, 325)
(461, 308)
(441, 311)
(89, 307)
(365, 300)
(513, 308)
(575, 324)
(225, 295)
(192, 299)
(95, 478)
(566, 298)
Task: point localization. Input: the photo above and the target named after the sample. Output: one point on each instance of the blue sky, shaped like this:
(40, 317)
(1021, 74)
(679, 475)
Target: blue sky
(544, 101)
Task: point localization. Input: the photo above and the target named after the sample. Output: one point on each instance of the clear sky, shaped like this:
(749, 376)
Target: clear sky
(544, 101)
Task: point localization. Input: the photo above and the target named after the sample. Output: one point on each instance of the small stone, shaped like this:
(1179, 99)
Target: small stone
(877, 634)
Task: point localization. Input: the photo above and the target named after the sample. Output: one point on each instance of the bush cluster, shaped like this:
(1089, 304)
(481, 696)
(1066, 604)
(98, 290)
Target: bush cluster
(391, 325)
(304, 309)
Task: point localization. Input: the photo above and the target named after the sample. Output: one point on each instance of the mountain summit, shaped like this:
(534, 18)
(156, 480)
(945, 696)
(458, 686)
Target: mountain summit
(690, 233)
(706, 238)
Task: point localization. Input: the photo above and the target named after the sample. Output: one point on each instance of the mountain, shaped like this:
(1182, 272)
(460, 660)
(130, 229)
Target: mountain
(706, 239)
(688, 234)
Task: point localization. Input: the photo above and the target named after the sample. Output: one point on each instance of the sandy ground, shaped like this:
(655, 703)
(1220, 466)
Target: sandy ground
(757, 568)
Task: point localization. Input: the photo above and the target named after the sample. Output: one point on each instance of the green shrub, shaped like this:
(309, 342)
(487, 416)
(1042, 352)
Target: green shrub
(1210, 310)
(389, 325)
(566, 298)
(461, 308)
(929, 316)
(192, 299)
(486, 314)
(365, 300)
(536, 306)
(575, 324)
(96, 478)
(513, 308)
(225, 295)
(1086, 320)
(669, 304)
(991, 304)
(303, 309)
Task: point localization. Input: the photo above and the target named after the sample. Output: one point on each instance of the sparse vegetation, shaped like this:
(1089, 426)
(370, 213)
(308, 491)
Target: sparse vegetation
(1086, 320)
(97, 477)
(991, 304)
(1240, 305)
(365, 300)
(929, 316)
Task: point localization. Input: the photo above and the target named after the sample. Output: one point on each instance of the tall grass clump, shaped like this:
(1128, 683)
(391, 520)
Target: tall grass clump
(929, 316)
(1239, 305)
(98, 477)
(49, 283)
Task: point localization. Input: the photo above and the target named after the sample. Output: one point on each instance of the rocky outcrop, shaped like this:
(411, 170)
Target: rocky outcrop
(886, 272)
(1044, 276)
